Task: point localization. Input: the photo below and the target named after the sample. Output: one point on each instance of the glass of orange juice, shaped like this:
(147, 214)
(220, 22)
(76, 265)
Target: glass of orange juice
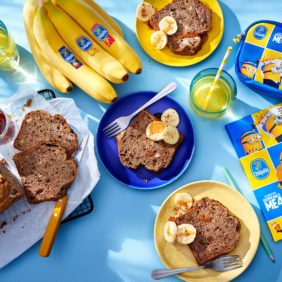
(221, 98)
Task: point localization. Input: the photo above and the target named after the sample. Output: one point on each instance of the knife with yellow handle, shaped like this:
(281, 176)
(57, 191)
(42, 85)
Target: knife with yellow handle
(52, 227)
(58, 211)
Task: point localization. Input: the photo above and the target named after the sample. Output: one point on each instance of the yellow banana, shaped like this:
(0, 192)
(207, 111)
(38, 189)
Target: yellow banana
(84, 47)
(105, 15)
(55, 78)
(102, 33)
(59, 53)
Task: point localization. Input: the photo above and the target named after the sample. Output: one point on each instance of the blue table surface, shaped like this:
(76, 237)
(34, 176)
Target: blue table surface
(115, 242)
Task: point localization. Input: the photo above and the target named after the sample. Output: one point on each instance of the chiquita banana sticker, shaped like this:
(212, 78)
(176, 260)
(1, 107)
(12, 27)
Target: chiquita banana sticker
(86, 45)
(69, 57)
(102, 34)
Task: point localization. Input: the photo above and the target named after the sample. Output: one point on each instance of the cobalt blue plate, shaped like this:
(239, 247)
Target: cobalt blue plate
(142, 178)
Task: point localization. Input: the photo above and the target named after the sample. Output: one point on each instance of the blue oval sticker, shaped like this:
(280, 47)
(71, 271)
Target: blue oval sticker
(69, 57)
(260, 169)
(260, 32)
(84, 43)
(100, 32)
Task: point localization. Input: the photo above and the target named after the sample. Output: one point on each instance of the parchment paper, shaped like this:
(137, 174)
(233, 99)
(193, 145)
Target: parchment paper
(22, 225)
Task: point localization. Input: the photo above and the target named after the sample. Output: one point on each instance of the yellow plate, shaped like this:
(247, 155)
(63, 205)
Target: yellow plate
(167, 57)
(175, 256)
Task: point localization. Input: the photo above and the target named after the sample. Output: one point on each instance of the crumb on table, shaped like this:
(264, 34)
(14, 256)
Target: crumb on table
(3, 224)
(28, 103)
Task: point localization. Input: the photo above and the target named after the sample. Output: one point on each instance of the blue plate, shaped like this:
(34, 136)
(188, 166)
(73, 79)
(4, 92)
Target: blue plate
(142, 178)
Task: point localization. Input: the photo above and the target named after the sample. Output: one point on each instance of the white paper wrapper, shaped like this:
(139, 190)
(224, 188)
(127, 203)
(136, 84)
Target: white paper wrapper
(25, 223)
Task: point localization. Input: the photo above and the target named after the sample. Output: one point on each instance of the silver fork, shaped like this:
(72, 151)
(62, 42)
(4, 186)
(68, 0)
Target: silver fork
(122, 123)
(220, 264)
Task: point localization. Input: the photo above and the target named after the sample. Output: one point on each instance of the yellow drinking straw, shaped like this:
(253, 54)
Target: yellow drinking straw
(217, 77)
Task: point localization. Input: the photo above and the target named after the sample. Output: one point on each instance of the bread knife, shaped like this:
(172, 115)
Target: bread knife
(57, 213)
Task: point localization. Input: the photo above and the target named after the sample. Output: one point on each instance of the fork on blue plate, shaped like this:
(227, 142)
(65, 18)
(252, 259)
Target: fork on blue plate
(122, 123)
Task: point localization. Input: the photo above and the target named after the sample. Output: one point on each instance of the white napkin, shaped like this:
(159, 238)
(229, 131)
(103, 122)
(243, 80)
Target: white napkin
(22, 225)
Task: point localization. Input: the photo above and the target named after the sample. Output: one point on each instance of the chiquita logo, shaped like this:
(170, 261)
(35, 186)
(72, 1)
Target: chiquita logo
(260, 169)
(260, 32)
(84, 43)
(69, 57)
(100, 32)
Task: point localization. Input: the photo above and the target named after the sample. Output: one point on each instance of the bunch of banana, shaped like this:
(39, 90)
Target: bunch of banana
(88, 50)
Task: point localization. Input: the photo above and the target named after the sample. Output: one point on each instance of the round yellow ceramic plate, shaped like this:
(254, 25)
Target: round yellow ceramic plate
(176, 256)
(167, 57)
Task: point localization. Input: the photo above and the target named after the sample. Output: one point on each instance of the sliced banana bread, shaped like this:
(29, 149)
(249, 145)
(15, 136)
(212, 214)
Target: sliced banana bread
(217, 230)
(136, 150)
(194, 20)
(11, 189)
(185, 45)
(46, 172)
(39, 127)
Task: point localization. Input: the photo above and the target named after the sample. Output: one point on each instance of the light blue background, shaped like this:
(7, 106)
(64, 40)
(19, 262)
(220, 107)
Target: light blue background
(115, 242)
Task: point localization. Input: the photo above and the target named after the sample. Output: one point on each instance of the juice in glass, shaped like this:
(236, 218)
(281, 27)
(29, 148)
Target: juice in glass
(221, 98)
(9, 56)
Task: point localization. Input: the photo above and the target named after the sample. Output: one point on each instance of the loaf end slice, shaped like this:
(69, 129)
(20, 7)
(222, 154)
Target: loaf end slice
(11, 190)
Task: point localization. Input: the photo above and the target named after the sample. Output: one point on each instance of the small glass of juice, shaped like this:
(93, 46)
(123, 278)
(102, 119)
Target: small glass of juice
(221, 98)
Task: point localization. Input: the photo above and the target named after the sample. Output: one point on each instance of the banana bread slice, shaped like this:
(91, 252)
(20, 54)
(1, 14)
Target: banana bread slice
(136, 150)
(194, 20)
(11, 189)
(217, 230)
(187, 45)
(46, 172)
(39, 127)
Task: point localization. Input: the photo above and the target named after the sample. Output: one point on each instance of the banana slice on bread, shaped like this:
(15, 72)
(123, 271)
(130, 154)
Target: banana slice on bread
(170, 117)
(154, 130)
(184, 201)
(168, 25)
(186, 234)
(145, 11)
(165, 129)
(183, 234)
(171, 135)
(159, 39)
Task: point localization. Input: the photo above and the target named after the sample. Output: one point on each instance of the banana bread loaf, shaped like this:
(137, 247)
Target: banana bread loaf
(11, 189)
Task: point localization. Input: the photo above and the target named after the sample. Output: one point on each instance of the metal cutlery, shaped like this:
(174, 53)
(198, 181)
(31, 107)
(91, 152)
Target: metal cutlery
(221, 264)
(58, 212)
(122, 123)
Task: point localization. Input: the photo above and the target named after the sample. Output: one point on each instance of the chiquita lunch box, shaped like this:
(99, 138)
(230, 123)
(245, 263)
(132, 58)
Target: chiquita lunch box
(259, 58)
